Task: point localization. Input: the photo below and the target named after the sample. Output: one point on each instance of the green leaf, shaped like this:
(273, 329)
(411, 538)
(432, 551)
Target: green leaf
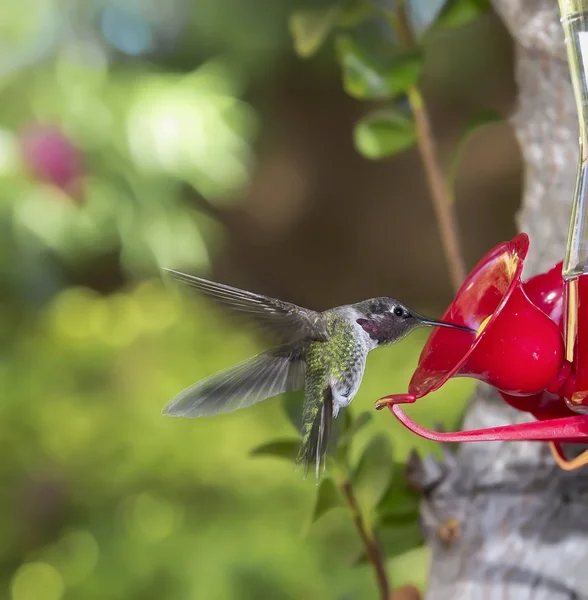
(354, 12)
(422, 14)
(279, 448)
(401, 515)
(292, 405)
(360, 422)
(310, 27)
(398, 503)
(373, 474)
(384, 133)
(354, 426)
(396, 540)
(401, 538)
(364, 78)
(347, 421)
(327, 498)
(458, 13)
(348, 430)
(375, 38)
(398, 517)
(471, 128)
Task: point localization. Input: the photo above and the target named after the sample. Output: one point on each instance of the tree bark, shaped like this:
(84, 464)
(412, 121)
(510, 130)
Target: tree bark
(522, 522)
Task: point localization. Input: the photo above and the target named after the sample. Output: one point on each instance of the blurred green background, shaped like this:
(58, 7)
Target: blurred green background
(136, 134)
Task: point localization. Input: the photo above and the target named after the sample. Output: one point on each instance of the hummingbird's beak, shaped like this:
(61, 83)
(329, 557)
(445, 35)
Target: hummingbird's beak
(434, 323)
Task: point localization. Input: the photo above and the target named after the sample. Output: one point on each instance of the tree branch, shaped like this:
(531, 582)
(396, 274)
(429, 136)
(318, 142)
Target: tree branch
(446, 219)
(440, 195)
(372, 548)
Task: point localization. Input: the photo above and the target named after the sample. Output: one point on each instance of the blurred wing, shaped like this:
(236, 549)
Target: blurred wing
(263, 376)
(292, 321)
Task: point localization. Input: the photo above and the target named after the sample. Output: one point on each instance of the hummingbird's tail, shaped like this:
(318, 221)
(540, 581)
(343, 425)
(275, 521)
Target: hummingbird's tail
(316, 432)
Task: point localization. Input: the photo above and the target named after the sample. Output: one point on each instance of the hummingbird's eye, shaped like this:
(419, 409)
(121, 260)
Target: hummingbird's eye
(398, 311)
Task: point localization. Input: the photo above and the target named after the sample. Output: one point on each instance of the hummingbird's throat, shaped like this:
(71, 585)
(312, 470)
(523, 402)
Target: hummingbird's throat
(483, 325)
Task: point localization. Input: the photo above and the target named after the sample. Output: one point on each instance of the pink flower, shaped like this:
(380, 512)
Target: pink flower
(52, 158)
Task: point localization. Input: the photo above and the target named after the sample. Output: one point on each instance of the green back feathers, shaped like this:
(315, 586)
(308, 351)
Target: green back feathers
(325, 362)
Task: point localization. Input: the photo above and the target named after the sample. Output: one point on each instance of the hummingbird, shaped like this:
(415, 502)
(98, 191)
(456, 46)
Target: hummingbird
(323, 353)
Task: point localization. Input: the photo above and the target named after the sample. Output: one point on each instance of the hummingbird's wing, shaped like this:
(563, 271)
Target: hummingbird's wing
(293, 322)
(263, 376)
(316, 431)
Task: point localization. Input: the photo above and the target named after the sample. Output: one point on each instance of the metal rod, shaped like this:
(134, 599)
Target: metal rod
(574, 21)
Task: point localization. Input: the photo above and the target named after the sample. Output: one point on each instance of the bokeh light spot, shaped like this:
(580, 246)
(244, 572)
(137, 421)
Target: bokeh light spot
(158, 308)
(79, 555)
(46, 212)
(9, 152)
(119, 323)
(75, 312)
(188, 127)
(66, 444)
(127, 32)
(37, 581)
(151, 517)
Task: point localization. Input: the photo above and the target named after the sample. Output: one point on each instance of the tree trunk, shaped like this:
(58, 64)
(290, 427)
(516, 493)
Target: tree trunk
(523, 523)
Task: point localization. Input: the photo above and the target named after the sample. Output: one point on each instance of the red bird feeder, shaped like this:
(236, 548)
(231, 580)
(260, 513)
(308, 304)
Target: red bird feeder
(518, 349)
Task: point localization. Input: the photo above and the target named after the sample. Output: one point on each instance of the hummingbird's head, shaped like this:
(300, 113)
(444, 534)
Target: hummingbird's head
(387, 320)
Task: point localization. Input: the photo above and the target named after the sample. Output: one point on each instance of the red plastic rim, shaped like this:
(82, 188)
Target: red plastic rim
(424, 380)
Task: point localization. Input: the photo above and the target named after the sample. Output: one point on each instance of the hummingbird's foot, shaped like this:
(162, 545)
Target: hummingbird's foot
(394, 399)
